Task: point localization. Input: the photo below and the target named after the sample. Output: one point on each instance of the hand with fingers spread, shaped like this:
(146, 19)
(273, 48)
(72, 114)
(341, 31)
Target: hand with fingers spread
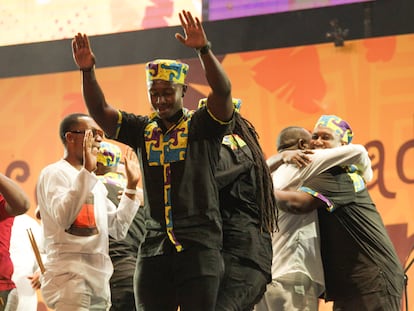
(132, 170)
(195, 36)
(82, 53)
(90, 151)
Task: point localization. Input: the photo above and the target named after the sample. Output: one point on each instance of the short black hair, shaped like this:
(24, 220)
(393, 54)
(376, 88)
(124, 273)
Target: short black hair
(68, 122)
(289, 137)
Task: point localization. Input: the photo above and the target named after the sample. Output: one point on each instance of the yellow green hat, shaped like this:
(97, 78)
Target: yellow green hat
(167, 70)
(109, 154)
(339, 126)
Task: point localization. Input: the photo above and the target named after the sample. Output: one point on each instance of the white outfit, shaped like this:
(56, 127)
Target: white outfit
(24, 260)
(78, 265)
(296, 246)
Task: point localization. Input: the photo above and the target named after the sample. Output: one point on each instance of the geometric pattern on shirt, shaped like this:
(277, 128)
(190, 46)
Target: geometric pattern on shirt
(234, 141)
(329, 205)
(163, 149)
(357, 180)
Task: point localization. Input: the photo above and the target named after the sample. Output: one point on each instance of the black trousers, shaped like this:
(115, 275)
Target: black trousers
(243, 285)
(189, 279)
(122, 301)
(378, 301)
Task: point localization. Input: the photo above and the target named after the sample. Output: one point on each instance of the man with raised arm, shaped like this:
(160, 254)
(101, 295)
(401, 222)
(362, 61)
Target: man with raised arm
(77, 218)
(180, 263)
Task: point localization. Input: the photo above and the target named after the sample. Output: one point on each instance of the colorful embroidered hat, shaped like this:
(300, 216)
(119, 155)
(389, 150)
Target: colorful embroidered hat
(109, 154)
(167, 70)
(339, 126)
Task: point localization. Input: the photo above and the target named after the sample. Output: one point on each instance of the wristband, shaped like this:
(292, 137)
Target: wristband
(130, 191)
(204, 49)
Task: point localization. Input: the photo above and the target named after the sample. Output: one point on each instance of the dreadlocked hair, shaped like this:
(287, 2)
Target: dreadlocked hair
(265, 195)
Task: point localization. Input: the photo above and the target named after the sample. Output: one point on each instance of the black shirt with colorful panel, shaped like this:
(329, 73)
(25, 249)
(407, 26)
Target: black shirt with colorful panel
(357, 253)
(178, 168)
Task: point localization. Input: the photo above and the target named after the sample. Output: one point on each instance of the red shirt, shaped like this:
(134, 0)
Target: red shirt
(6, 265)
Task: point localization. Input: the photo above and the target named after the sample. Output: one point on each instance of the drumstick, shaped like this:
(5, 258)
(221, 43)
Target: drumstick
(36, 250)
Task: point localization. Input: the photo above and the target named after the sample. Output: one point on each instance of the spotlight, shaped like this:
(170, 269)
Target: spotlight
(337, 34)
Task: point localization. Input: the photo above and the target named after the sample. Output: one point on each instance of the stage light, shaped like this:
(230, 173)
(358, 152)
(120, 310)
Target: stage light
(337, 34)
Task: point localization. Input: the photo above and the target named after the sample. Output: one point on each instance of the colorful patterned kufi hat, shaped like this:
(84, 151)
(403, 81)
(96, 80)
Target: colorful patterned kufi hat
(167, 70)
(236, 102)
(109, 154)
(339, 126)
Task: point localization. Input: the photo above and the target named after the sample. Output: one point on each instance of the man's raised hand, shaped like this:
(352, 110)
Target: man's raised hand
(82, 53)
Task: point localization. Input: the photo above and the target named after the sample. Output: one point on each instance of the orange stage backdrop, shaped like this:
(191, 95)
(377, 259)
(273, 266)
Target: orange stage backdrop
(370, 83)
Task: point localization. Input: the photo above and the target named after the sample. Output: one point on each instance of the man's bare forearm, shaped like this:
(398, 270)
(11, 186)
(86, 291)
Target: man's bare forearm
(220, 102)
(99, 110)
(296, 202)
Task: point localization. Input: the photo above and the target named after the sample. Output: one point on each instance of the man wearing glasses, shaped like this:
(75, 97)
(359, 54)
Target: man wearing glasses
(77, 218)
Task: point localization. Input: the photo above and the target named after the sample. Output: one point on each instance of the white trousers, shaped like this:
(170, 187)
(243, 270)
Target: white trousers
(70, 292)
(289, 295)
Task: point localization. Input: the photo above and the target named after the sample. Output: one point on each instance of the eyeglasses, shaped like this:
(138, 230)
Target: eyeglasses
(95, 132)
